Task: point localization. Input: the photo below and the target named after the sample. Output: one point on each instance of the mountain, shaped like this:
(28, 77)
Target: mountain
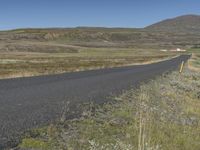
(186, 23)
(183, 31)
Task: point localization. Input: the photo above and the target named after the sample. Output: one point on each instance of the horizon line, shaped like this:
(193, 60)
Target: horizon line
(90, 26)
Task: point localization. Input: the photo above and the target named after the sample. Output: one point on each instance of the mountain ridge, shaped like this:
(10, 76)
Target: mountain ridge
(187, 21)
(182, 31)
(184, 23)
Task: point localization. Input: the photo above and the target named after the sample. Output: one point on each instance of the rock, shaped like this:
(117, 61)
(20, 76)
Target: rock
(118, 122)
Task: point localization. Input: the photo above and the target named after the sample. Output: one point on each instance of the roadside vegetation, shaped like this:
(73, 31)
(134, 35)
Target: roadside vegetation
(194, 63)
(162, 114)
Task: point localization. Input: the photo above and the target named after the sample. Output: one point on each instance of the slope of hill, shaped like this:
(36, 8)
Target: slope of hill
(181, 31)
(186, 23)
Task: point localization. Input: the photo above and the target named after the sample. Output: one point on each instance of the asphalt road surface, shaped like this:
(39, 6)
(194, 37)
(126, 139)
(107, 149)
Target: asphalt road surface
(30, 102)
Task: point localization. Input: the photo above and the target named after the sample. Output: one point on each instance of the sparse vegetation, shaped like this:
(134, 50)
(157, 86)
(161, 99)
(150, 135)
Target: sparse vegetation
(185, 24)
(27, 52)
(194, 62)
(162, 114)
(16, 64)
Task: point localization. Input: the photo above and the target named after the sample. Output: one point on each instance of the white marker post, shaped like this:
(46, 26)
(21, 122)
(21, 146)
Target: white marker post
(181, 68)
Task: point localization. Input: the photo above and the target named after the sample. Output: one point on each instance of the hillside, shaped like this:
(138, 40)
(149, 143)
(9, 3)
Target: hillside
(181, 31)
(186, 24)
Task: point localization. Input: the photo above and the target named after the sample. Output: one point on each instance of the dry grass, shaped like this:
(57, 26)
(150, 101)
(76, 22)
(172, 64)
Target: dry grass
(30, 52)
(161, 115)
(194, 63)
(20, 64)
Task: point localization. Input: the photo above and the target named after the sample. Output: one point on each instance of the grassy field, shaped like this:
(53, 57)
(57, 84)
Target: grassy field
(29, 52)
(162, 114)
(19, 64)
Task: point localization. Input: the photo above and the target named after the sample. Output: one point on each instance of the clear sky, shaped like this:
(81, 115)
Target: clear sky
(104, 13)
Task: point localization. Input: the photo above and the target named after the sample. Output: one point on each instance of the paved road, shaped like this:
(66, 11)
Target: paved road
(30, 102)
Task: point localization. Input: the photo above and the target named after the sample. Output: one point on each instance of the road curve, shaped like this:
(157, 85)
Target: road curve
(34, 101)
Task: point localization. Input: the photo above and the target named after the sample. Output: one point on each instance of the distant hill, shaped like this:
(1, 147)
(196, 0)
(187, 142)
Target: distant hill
(183, 32)
(186, 23)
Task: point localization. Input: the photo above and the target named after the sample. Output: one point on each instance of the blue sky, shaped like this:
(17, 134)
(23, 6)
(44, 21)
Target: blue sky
(104, 13)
